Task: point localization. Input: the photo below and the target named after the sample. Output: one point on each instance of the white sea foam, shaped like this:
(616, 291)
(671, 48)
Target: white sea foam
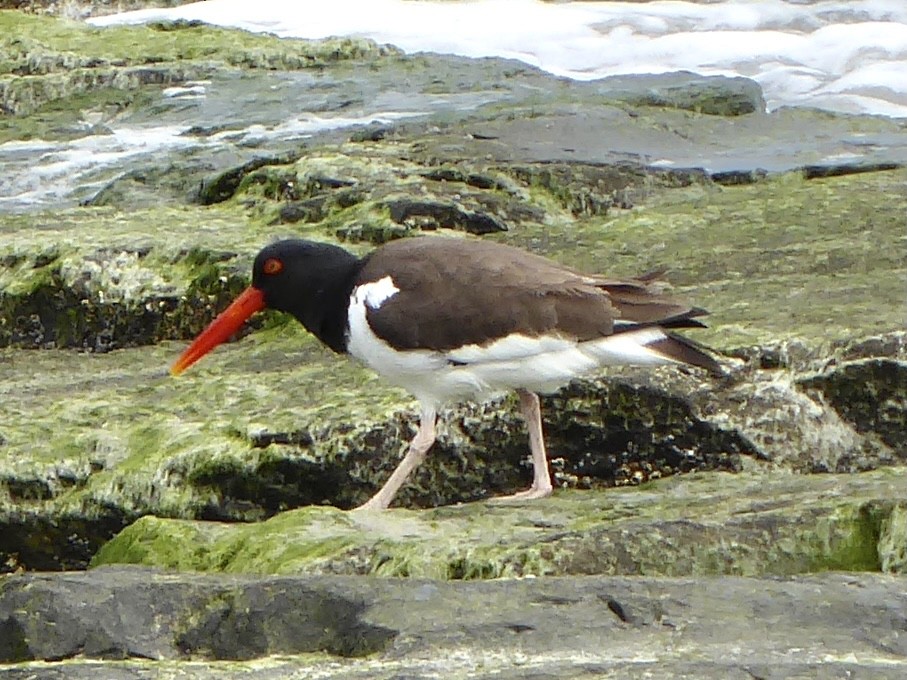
(799, 52)
(36, 172)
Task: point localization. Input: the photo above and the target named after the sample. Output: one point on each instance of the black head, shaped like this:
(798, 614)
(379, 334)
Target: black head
(312, 281)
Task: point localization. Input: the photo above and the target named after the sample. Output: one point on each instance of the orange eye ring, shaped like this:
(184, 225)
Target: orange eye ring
(272, 266)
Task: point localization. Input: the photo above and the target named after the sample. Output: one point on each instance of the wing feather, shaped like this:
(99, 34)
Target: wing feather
(459, 292)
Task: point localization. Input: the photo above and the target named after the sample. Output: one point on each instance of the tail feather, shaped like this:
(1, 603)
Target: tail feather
(685, 319)
(681, 322)
(683, 350)
(640, 307)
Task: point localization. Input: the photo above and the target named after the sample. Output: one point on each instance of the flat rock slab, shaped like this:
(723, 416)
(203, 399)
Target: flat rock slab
(828, 625)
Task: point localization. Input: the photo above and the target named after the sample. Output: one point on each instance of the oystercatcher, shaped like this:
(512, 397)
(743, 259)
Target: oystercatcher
(454, 319)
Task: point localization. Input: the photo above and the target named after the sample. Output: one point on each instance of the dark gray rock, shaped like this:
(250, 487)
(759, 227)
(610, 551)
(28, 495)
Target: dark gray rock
(872, 395)
(713, 95)
(821, 626)
(430, 215)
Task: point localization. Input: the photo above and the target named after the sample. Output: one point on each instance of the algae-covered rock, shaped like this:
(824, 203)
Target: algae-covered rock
(45, 59)
(688, 91)
(70, 290)
(214, 446)
(275, 422)
(702, 524)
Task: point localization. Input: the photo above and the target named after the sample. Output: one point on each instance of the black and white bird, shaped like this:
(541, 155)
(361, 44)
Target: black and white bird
(453, 320)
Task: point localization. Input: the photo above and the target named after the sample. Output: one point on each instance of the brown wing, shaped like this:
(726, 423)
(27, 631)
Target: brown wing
(641, 303)
(456, 292)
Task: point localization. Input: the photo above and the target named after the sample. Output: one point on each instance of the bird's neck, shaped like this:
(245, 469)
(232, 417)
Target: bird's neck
(325, 312)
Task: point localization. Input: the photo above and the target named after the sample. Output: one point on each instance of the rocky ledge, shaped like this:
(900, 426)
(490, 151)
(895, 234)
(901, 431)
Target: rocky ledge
(144, 622)
(91, 441)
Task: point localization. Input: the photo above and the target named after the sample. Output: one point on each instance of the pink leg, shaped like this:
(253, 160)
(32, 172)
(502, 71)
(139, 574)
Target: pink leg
(418, 447)
(541, 481)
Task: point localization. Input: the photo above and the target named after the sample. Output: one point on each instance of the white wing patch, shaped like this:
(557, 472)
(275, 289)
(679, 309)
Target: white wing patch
(545, 364)
(515, 346)
(622, 348)
(628, 348)
(375, 293)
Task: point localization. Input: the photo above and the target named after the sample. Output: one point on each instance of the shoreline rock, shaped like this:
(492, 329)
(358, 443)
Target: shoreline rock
(698, 524)
(343, 627)
(787, 225)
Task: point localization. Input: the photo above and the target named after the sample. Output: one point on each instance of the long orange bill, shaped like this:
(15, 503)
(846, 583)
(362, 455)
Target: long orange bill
(226, 324)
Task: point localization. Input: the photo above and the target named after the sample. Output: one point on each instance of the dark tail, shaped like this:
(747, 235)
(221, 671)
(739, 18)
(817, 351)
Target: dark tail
(683, 350)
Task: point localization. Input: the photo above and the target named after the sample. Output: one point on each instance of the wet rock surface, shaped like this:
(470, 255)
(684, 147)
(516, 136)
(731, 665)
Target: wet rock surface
(787, 225)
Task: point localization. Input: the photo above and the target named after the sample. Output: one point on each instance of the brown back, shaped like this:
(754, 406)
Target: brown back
(456, 292)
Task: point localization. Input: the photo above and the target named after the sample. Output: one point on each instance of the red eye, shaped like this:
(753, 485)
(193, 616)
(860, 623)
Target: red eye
(272, 266)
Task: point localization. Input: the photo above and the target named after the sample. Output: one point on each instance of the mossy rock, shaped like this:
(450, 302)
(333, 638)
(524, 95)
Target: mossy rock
(47, 59)
(274, 421)
(701, 524)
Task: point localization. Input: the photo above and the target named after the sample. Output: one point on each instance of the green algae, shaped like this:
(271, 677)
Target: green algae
(704, 524)
(312, 535)
(42, 44)
(170, 232)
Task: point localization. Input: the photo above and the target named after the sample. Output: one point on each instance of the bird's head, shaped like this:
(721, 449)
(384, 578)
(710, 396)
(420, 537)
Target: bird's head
(289, 276)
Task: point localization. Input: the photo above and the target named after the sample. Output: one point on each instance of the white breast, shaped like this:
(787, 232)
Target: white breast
(415, 370)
